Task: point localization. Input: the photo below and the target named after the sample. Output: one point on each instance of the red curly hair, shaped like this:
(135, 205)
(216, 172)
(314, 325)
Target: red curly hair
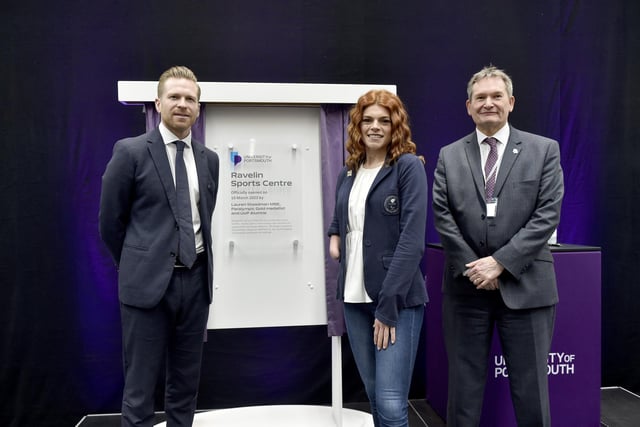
(400, 132)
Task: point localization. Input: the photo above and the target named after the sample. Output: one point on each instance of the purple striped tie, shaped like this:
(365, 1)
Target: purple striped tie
(490, 169)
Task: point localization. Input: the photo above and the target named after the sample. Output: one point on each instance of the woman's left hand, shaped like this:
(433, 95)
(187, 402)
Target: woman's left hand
(334, 247)
(383, 334)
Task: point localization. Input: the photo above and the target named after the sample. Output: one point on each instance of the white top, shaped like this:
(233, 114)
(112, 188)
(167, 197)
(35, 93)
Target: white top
(354, 290)
(192, 176)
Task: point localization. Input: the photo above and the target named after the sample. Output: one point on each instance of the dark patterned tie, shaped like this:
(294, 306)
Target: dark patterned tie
(490, 169)
(187, 242)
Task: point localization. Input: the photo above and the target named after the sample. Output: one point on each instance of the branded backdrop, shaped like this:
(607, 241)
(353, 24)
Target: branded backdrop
(574, 65)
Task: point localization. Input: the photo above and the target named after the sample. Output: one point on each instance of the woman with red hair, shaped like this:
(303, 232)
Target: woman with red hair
(377, 235)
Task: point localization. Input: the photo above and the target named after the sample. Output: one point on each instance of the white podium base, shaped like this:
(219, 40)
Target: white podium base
(279, 416)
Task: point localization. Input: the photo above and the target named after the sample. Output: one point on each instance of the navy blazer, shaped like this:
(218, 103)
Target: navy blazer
(393, 237)
(138, 215)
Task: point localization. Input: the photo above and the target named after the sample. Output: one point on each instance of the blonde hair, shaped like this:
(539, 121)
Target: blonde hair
(177, 72)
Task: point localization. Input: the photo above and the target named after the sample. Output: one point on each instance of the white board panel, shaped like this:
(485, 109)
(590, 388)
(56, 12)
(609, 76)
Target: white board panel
(133, 92)
(267, 227)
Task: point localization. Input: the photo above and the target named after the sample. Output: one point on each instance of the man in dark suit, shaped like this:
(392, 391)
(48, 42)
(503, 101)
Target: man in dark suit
(496, 198)
(160, 239)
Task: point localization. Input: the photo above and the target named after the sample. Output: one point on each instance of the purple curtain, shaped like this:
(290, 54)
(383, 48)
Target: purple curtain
(153, 120)
(333, 125)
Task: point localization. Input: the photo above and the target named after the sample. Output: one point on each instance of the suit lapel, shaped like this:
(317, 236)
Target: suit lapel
(384, 171)
(158, 153)
(201, 168)
(511, 153)
(472, 152)
(348, 181)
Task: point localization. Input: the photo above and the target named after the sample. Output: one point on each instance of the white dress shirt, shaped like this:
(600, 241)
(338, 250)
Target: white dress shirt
(192, 176)
(503, 137)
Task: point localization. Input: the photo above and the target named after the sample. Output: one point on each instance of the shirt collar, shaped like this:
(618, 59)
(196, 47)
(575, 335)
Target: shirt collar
(502, 135)
(168, 137)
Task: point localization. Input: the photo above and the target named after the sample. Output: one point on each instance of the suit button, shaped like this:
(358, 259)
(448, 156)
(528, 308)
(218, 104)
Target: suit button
(367, 242)
(481, 243)
(173, 255)
(483, 216)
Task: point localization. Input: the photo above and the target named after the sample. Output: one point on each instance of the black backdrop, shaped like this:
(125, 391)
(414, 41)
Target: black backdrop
(574, 63)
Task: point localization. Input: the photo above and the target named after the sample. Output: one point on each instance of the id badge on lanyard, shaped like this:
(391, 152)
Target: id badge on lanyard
(492, 207)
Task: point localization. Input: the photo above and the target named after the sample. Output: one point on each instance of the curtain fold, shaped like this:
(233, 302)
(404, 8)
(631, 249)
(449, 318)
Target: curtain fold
(333, 125)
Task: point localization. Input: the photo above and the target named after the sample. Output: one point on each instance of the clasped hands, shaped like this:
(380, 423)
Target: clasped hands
(483, 273)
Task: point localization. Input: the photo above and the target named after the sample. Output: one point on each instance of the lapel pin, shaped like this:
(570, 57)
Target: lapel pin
(515, 151)
(348, 173)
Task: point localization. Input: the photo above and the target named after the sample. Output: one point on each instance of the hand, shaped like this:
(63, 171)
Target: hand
(483, 273)
(490, 285)
(334, 247)
(383, 334)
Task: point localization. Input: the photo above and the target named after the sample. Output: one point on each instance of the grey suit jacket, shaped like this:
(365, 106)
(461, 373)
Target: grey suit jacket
(138, 213)
(529, 188)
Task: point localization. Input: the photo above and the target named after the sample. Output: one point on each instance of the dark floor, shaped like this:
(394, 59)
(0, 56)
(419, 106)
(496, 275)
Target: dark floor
(619, 408)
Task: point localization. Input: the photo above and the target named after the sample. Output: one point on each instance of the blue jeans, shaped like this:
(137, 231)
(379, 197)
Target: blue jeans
(386, 374)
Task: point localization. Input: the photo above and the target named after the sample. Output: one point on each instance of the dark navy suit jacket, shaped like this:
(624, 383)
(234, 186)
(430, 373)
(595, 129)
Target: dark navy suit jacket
(394, 235)
(138, 215)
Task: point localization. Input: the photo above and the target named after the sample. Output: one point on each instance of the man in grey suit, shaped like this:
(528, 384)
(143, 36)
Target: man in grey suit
(497, 194)
(158, 194)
